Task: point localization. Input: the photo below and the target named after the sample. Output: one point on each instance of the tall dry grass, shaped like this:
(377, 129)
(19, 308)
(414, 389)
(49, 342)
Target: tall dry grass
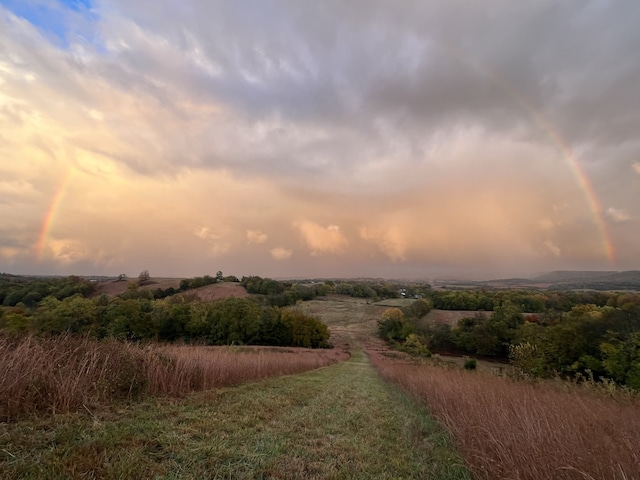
(62, 374)
(176, 370)
(522, 430)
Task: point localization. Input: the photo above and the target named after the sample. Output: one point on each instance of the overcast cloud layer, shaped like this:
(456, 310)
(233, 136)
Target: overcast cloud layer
(288, 138)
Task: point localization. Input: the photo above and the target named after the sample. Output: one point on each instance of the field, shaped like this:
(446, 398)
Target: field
(449, 317)
(204, 412)
(112, 288)
(214, 291)
(352, 321)
(63, 374)
(217, 291)
(523, 430)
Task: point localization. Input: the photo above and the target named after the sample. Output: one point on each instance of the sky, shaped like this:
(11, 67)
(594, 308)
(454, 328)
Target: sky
(397, 139)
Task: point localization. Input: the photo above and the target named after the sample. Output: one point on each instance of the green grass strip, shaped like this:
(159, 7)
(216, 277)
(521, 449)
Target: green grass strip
(339, 422)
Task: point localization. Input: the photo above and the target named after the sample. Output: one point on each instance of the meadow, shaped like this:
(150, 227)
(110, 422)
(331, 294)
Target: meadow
(528, 430)
(66, 373)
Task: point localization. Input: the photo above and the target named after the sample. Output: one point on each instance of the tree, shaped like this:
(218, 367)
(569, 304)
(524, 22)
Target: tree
(393, 326)
(306, 331)
(621, 359)
(130, 319)
(419, 308)
(143, 277)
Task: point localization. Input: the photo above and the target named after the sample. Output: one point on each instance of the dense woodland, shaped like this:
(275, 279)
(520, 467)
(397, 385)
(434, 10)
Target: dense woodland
(589, 334)
(144, 315)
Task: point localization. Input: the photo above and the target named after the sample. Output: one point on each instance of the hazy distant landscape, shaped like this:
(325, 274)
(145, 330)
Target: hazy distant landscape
(562, 279)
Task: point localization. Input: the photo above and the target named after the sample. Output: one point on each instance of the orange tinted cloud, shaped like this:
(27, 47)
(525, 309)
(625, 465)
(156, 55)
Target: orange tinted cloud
(322, 239)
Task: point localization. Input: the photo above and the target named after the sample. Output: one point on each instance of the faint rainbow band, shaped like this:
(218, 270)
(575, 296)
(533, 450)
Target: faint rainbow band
(552, 132)
(50, 215)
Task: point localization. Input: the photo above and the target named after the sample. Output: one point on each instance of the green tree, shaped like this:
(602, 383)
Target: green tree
(306, 331)
(131, 319)
(393, 326)
(234, 320)
(621, 358)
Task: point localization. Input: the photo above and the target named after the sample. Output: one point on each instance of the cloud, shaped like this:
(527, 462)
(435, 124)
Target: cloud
(218, 249)
(17, 189)
(9, 253)
(256, 237)
(546, 224)
(616, 215)
(552, 248)
(435, 135)
(205, 233)
(218, 241)
(280, 253)
(391, 241)
(66, 251)
(322, 239)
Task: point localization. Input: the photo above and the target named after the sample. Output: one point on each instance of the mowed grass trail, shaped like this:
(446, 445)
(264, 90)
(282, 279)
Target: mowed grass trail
(338, 422)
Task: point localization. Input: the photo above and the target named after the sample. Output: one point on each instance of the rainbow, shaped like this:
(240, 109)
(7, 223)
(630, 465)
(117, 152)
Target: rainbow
(583, 179)
(592, 199)
(50, 215)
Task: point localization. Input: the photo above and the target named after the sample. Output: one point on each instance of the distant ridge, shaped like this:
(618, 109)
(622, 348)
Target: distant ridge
(559, 280)
(574, 275)
(594, 280)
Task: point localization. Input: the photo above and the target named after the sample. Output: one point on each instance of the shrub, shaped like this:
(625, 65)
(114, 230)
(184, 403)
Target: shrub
(415, 345)
(470, 364)
(393, 326)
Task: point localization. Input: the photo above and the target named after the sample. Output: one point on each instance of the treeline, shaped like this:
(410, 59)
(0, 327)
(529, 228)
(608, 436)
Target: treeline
(371, 290)
(599, 340)
(30, 291)
(282, 293)
(181, 317)
(532, 301)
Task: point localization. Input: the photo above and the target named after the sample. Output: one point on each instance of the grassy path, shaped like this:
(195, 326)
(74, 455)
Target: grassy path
(339, 422)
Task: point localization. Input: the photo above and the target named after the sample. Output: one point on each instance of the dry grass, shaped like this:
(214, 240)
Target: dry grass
(218, 291)
(177, 370)
(523, 430)
(62, 374)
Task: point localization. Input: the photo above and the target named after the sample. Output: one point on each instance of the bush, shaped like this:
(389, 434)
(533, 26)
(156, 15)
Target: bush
(415, 345)
(393, 326)
(470, 364)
